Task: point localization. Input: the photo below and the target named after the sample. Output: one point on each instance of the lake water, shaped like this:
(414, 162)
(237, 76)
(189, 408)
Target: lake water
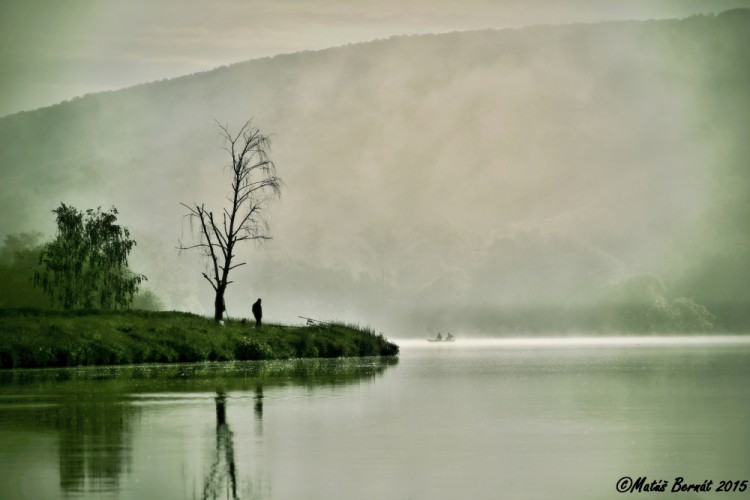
(539, 419)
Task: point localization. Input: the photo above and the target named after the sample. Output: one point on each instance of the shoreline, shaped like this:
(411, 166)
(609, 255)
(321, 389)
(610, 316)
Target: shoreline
(32, 338)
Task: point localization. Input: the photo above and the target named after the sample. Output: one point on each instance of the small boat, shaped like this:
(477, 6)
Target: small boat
(448, 338)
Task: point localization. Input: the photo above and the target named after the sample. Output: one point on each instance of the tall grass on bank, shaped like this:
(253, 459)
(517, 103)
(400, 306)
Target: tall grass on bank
(33, 338)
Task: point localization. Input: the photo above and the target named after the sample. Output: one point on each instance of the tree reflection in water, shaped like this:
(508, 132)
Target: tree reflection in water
(222, 470)
(95, 442)
(94, 435)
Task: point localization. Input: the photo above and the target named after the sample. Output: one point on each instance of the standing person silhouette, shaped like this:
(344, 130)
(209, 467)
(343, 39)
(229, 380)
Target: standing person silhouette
(257, 312)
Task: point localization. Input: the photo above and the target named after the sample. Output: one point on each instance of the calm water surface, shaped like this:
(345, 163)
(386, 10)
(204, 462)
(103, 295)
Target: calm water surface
(528, 420)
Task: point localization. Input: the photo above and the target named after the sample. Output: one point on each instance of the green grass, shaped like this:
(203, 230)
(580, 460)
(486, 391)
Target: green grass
(31, 338)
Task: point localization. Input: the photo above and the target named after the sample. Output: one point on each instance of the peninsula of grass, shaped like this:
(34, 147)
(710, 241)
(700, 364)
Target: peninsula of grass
(36, 339)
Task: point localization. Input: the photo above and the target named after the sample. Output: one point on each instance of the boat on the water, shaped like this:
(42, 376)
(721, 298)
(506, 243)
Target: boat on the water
(439, 338)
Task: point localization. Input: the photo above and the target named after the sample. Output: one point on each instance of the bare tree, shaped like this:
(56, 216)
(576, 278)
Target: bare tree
(253, 184)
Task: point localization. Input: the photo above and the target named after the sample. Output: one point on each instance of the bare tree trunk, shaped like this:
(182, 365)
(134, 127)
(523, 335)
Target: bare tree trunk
(219, 307)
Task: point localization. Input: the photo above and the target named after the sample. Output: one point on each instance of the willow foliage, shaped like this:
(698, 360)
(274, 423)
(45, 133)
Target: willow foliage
(86, 265)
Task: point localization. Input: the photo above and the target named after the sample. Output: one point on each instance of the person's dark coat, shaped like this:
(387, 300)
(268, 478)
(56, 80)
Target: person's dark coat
(257, 312)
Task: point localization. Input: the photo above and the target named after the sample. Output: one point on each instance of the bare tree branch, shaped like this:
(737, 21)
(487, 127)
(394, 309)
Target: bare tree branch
(209, 280)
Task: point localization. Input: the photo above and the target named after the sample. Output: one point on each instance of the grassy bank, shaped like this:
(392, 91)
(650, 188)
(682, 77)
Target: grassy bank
(33, 338)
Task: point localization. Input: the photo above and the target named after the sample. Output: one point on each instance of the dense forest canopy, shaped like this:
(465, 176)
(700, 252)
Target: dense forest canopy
(441, 181)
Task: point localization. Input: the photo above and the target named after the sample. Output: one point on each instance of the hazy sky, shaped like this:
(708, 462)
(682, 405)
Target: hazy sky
(54, 50)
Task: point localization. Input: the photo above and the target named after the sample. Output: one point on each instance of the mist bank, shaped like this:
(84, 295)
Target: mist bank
(639, 305)
(472, 177)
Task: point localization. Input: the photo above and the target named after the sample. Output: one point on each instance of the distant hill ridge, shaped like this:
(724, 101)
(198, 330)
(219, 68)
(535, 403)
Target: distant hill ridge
(737, 15)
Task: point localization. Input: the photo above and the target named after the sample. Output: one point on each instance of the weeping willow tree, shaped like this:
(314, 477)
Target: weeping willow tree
(86, 265)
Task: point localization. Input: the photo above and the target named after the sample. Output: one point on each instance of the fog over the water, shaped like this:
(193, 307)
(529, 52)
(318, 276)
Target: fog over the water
(551, 178)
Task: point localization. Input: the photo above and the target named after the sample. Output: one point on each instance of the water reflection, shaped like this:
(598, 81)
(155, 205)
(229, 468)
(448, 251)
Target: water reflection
(94, 438)
(95, 414)
(258, 410)
(542, 423)
(95, 441)
(258, 407)
(223, 472)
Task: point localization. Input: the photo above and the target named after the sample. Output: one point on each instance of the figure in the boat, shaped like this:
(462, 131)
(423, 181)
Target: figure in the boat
(449, 337)
(439, 337)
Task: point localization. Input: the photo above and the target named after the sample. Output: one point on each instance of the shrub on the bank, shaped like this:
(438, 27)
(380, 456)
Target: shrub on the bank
(252, 348)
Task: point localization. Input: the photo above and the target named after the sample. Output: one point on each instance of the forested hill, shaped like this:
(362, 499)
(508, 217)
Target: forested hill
(544, 167)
